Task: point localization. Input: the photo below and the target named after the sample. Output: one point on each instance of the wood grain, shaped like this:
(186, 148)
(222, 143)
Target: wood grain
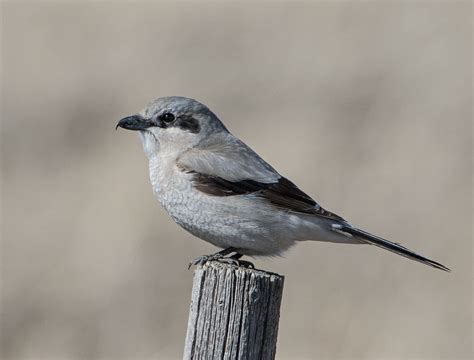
(234, 313)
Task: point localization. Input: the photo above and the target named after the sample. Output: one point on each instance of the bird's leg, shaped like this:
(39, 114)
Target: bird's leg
(201, 260)
(236, 257)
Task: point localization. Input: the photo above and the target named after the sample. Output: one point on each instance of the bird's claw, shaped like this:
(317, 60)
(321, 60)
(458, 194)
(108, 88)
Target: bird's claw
(245, 264)
(201, 260)
(236, 262)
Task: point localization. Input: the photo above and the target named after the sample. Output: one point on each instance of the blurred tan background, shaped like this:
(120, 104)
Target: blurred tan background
(365, 105)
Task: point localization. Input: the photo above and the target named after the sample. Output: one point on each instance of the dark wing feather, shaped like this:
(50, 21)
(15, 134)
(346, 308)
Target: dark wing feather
(283, 193)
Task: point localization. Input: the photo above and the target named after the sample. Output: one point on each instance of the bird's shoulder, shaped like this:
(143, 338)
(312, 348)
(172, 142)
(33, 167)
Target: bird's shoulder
(225, 156)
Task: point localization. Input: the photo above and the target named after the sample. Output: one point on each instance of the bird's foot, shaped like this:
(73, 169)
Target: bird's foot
(201, 260)
(244, 263)
(221, 257)
(239, 263)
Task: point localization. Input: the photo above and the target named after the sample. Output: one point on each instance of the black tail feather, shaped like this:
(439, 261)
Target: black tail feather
(391, 246)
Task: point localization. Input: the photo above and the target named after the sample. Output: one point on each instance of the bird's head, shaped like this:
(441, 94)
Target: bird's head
(173, 124)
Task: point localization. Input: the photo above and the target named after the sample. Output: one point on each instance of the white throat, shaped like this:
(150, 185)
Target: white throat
(151, 146)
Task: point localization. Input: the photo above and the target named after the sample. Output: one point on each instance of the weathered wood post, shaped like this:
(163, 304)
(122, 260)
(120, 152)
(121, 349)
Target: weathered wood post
(234, 313)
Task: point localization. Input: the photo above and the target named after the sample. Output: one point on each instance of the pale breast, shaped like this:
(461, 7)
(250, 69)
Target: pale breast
(174, 191)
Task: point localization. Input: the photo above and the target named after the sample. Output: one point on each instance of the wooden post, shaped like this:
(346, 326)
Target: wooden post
(234, 313)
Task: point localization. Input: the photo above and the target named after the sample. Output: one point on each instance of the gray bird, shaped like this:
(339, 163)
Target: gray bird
(220, 190)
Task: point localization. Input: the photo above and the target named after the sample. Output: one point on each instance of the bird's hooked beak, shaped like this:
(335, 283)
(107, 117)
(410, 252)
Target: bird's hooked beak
(135, 122)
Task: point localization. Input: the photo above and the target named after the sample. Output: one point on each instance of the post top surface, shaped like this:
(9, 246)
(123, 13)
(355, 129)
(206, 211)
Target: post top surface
(256, 272)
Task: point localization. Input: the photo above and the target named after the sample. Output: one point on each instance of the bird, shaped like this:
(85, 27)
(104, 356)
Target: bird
(217, 188)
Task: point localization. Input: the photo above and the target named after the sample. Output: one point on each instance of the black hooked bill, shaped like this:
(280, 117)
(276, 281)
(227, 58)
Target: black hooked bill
(135, 122)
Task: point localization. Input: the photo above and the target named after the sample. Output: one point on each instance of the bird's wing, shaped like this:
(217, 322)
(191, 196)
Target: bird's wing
(227, 167)
(223, 155)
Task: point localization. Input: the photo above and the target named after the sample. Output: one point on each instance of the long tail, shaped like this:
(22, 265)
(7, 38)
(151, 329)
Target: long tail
(388, 245)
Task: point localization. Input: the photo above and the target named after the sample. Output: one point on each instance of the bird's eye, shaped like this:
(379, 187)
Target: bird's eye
(167, 117)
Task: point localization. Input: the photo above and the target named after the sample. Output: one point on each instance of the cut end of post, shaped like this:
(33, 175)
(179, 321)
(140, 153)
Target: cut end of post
(234, 313)
(249, 270)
